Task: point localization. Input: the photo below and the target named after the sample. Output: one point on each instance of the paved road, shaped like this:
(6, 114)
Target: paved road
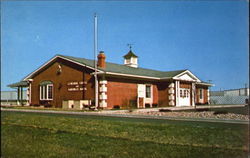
(127, 116)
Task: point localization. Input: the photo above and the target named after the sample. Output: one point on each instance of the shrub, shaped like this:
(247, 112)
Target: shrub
(147, 105)
(116, 107)
(155, 105)
(165, 110)
(47, 105)
(220, 112)
(36, 105)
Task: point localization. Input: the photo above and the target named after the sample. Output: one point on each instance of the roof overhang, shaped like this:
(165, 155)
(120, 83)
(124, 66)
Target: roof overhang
(183, 76)
(19, 84)
(52, 60)
(205, 84)
(132, 76)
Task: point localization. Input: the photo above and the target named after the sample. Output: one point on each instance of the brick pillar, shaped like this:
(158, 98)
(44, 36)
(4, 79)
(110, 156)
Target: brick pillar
(171, 97)
(103, 93)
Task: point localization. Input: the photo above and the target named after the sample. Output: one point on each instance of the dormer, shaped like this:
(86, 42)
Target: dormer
(130, 59)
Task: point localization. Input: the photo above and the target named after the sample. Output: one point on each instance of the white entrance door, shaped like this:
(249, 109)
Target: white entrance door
(141, 91)
(184, 95)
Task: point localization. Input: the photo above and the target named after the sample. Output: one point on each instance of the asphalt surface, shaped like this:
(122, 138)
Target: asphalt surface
(110, 114)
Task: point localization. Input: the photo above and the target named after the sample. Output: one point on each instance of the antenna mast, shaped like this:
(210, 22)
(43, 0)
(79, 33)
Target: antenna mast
(95, 62)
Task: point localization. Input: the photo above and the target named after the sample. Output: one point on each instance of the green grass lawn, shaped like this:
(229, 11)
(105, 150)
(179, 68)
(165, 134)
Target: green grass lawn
(56, 135)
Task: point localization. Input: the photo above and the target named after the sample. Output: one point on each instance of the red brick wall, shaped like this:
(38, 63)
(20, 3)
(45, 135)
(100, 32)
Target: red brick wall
(205, 95)
(163, 95)
(155, 94)
(70, 72)
(123, 92)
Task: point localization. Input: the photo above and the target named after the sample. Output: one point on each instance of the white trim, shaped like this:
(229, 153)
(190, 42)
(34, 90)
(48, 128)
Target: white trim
(49, 85)
(103, 104)
(150, 99)
(177, 87)
(54, 58)
(121, 74)
(103, 82)
(171, 97)
(171, 90)
(113, 73)
(200, 93)
(103, 96)
(171, 93)
(208, 96)
(205, 84)
(103, 88)
(190, 73)
(45, 88)
(193, 93)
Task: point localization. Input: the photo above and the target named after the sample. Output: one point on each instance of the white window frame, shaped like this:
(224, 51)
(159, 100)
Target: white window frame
(44, 92)
(150, 87)
(201, 94)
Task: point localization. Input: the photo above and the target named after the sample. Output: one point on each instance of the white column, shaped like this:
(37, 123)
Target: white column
(177, 87)
(29, 92)
(208, 96)
(193, 94)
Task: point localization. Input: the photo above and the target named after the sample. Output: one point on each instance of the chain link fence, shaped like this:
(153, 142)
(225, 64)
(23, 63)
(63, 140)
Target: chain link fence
(228, 99)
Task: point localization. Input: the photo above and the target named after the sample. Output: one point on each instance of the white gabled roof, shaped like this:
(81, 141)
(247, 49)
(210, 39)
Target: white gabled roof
(187, 76)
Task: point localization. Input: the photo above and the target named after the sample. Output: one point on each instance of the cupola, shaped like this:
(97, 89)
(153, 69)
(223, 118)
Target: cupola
(130, 59)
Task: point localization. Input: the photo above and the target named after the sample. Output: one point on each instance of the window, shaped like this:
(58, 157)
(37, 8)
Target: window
(46, 90)
(184, 93)
(148, 91)
(201, 94)
(127, 61)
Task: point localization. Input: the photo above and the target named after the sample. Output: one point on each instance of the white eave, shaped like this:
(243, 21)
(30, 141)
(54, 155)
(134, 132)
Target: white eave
(205, 84)
(129, 75)
(193, 78)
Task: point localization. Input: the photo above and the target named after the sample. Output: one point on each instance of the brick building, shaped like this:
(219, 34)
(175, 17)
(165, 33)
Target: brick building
(65, 81)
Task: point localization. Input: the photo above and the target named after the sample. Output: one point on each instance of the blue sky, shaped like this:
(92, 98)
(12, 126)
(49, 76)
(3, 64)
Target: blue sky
(210, 38)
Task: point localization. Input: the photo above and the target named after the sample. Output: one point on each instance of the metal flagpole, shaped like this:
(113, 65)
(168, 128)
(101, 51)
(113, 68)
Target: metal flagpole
(95, 62)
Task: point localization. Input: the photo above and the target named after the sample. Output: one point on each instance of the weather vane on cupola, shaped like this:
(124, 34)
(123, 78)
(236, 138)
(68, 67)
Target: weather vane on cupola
(130, 46)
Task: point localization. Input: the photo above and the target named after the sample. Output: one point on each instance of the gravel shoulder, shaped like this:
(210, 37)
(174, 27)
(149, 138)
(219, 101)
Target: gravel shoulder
(203, 114)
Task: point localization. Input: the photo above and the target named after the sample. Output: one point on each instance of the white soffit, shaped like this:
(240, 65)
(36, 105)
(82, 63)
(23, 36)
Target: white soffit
(186, 76)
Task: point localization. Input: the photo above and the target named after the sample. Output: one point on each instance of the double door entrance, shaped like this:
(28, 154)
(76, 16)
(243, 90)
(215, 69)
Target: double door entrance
(184, 97)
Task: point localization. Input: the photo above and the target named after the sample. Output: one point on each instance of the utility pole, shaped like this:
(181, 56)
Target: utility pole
(95, 61)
